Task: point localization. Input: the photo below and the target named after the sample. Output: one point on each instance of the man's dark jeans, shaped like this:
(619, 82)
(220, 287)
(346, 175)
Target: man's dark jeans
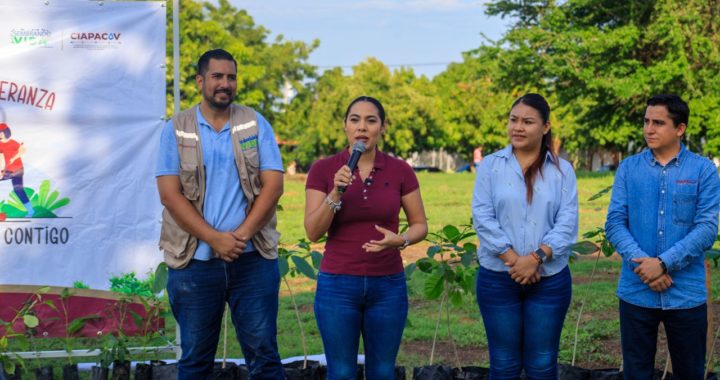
(686, 331)
(198, 294)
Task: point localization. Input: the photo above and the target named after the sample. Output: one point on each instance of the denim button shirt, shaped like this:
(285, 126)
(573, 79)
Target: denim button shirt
(503, 219)
(669, 212)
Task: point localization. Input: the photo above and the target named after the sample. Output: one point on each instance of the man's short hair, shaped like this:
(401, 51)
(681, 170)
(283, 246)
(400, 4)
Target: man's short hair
(204, 61)
(678, 110)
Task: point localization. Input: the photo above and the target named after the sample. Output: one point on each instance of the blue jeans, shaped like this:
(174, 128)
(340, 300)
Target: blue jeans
(523, 323)
(686, 331)
(198, 294)
(374, 306)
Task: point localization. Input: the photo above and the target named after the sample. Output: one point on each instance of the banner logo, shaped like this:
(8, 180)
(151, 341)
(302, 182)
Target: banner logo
(95, 40)
(38, 37)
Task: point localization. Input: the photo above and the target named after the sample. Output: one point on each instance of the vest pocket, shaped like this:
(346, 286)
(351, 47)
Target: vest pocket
(173, 239)
(189, 182)
(252, 158)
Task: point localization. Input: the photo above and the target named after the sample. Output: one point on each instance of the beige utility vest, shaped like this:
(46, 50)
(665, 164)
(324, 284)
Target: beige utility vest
(179, 246)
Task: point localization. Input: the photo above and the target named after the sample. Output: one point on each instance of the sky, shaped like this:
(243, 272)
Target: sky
(423, 34)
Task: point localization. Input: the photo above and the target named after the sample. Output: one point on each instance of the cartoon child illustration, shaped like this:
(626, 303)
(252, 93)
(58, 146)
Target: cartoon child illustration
(13, 170)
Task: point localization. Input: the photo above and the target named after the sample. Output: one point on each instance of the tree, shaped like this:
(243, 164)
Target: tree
(314, 119)
(263, 67)
(601, 60)
(473, 104)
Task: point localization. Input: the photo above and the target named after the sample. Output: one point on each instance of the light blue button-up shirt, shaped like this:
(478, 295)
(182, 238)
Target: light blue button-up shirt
(225, 203)
(503, 219)
(669, 212)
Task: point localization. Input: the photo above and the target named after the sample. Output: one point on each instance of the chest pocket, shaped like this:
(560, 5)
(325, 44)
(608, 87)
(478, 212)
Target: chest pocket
(249, 148)
(684, 207)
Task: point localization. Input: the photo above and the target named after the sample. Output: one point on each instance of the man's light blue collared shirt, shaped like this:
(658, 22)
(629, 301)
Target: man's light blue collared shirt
(503, 218)
(225, 203)
(669, 212)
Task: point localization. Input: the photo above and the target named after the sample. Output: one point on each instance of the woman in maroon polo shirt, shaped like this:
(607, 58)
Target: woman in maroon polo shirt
(361, 286)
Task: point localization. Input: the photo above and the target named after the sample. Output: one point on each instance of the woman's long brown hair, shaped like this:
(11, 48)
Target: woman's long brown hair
(539, 103)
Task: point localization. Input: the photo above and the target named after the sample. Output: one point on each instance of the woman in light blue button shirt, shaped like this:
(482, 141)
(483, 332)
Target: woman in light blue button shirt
(525, 212)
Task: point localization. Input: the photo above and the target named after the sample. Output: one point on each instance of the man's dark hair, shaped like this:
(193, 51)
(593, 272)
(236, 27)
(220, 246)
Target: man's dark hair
(678, 110)
(204, 61)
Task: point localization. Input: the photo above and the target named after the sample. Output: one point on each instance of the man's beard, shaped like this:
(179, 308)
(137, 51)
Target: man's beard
(220, 104)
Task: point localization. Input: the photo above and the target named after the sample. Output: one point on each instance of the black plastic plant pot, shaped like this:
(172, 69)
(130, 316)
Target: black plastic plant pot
(228, 372)
(470, 373)
(243, 373)
(433, 372)
(400, 373)
(143, 371)
(165, 372)
(44, 373)
(121, 370)
(295, 370)
(70, 372)
(568, 372)
(99, 373)
(606, 374)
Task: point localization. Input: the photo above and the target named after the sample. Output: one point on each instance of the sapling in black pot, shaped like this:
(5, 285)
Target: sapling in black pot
(299, 259)
(451, 270)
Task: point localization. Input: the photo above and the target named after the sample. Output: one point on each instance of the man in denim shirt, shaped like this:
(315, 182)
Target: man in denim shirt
(662, 217)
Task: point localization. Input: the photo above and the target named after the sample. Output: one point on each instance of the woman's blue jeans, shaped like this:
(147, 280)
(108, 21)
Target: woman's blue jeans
(374, 306)
(523, 323)
(198, 294)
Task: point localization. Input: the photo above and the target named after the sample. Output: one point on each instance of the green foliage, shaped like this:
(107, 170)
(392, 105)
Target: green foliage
(301, 266)
(160, 279)
(305, 260)
(314, 120)
(264, 66)
(599, 60)
(9, 361)
(127, 283)
(71, 326)
(80, 285)
(450, 270)
(472, 104)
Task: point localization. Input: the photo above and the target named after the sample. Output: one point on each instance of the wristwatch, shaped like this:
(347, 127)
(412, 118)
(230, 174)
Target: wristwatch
(541, 255)
(662, 265)
(406, 243)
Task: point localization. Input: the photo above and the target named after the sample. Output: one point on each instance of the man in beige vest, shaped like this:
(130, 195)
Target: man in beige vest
(220, 175)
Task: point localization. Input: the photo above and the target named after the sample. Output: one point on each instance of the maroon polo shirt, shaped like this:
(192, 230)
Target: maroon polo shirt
(364, 204)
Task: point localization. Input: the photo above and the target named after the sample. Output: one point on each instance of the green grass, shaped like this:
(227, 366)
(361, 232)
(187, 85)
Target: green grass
(447, 201)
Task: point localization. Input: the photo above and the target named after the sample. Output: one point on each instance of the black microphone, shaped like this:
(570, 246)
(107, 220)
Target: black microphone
(357, 150)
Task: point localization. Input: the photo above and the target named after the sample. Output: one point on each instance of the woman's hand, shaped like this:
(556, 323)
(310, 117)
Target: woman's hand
(525, 270)
(389, 240)
(343, 177)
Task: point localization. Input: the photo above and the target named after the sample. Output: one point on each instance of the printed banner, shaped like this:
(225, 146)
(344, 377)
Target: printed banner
(82, 96)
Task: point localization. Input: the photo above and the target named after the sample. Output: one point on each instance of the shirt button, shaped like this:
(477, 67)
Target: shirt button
(660, 232)
(662, 212)
(662, 191)
(664, 171)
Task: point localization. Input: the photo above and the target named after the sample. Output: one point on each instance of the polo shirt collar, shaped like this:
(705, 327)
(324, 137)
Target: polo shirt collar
(201, 121)
(380, 157)
(679, 157)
